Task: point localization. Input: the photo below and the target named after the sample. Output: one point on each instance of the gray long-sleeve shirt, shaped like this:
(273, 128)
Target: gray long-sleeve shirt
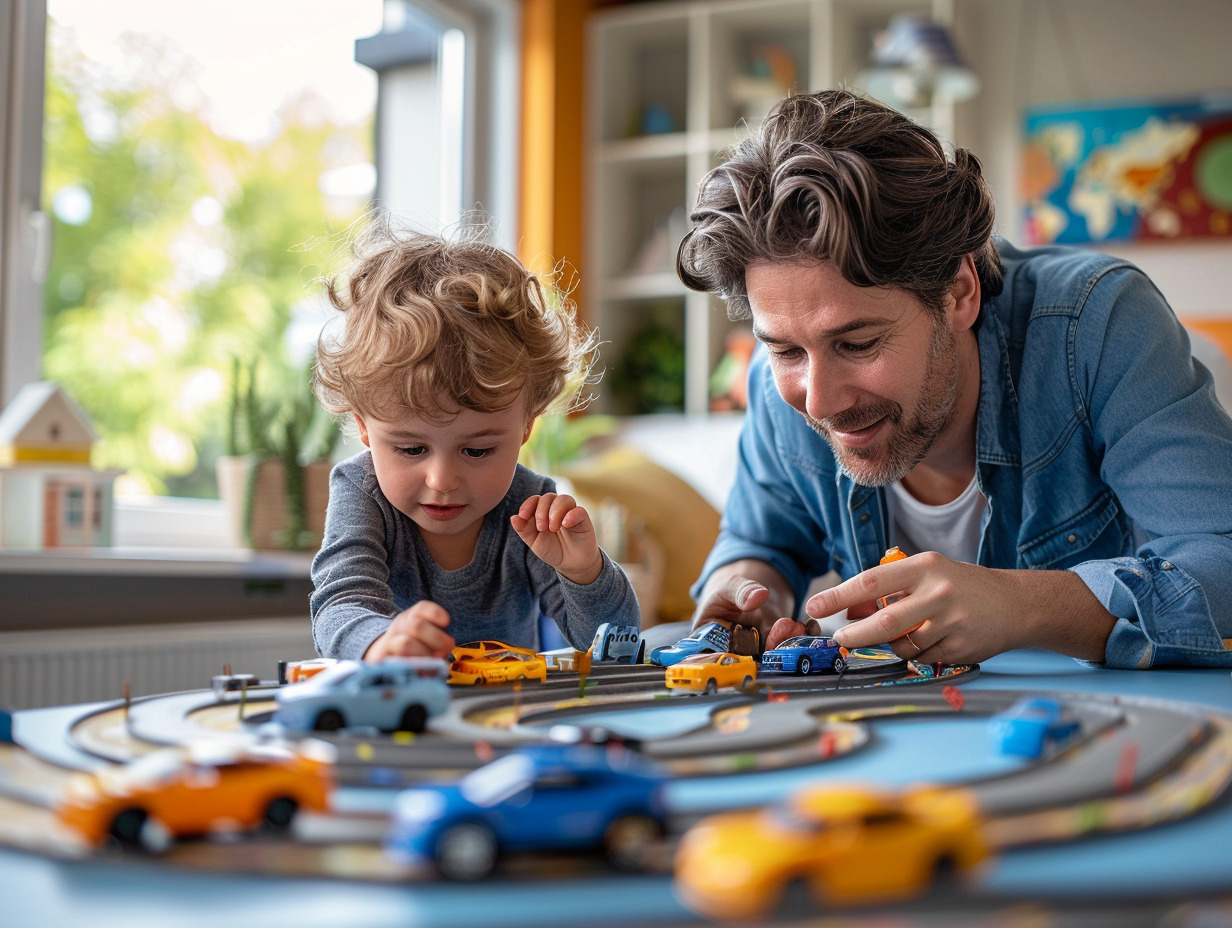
(373, 563)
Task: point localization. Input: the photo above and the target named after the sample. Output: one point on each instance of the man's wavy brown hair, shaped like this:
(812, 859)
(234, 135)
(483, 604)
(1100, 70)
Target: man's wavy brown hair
(433, 326)
(836, 176)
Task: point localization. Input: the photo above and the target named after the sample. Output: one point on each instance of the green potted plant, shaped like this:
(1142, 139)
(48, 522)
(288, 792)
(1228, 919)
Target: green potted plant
(274, 477)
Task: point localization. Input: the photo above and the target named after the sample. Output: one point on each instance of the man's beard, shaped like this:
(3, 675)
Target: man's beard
(908, 441)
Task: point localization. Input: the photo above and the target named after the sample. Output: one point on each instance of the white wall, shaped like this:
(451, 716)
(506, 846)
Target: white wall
(1030, 52)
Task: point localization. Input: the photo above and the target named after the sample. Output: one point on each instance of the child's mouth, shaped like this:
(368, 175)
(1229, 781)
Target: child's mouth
(442, 513)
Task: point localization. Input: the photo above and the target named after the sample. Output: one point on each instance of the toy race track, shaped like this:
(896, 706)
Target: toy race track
(1136, 763)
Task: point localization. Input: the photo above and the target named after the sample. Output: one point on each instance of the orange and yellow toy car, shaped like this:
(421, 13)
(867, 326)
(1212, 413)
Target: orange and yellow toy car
(848, 844)
(206, 786)
(499, 667)
(484, 649)
(710, 670)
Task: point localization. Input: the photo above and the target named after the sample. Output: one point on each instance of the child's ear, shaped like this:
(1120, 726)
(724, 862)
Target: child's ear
(363, 429)
(529, 425)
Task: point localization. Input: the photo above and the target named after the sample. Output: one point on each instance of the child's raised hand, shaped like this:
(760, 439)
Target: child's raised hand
(560, 533)
(415, 632)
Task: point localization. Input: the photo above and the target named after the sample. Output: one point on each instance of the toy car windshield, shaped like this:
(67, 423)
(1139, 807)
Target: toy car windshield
(499, 780)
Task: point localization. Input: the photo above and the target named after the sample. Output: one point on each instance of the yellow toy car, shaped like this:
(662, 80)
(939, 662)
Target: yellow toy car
(708, 671)
(499, 667)
(848, 844)
(484, 649)
(198, 788)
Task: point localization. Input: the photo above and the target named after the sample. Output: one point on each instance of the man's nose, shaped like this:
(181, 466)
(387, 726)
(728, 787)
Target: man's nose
(825, 394)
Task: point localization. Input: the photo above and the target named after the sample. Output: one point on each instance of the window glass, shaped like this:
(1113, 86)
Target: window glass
(201, 166)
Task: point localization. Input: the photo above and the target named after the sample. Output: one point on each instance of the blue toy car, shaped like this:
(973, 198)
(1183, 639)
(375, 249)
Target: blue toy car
(539, 797)
(1031, 725)
(397, 694)
(710, 637)
(805, 654)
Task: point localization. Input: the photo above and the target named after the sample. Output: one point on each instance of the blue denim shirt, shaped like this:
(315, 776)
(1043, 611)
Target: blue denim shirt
(1100, 447)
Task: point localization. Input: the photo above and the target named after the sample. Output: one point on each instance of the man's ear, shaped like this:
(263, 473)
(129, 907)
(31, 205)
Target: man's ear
(965, 294)
(362, 428)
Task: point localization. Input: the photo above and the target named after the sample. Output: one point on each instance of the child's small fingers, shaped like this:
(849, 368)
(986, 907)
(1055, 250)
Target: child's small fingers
(561, 506)
(528, 507)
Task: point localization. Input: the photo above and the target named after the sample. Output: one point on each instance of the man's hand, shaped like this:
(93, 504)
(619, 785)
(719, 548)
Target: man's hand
(415, 632)
(744, 593)
(966, 613)
(560, 533)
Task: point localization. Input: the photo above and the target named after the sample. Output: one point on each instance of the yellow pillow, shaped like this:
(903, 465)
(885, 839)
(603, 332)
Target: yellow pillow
(680, 518)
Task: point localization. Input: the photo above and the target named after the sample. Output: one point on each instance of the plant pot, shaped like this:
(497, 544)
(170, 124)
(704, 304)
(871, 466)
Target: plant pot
(270, 521)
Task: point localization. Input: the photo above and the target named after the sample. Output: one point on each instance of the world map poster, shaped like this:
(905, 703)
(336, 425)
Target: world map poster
(1139, 171)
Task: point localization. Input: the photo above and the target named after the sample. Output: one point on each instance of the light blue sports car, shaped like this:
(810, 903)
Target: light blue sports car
(710, 637)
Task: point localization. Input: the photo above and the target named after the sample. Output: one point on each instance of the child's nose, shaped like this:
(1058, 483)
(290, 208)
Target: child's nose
(442, 475)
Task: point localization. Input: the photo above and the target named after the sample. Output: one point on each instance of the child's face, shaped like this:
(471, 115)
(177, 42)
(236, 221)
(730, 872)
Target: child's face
(447, 474)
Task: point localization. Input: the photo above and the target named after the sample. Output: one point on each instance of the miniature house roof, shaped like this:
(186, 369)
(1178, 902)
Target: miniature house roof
(44, 424)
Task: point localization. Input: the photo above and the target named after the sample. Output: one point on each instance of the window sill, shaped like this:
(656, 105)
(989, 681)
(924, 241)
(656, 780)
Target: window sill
(174, 561)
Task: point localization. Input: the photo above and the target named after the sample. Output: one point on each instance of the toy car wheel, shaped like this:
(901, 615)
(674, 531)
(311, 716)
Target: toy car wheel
(280, 812)
(839, 664)
(628, 839)
(746, 682)
(466, 852)
(712, 687)
(329, 720)
(414, 718)
(155, 837)
(479, 681)
(806, 667)
(126, 827)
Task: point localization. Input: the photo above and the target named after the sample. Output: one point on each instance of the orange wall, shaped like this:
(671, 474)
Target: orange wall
(552, 183)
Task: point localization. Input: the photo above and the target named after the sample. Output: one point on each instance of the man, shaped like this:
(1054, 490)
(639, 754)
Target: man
(1030, 426)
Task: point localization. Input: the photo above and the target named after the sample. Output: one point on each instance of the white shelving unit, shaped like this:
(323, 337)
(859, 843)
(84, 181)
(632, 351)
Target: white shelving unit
(665, 100)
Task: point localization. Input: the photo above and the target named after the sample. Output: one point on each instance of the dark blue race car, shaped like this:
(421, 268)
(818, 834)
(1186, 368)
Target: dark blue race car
(540, 797)
(806, 654)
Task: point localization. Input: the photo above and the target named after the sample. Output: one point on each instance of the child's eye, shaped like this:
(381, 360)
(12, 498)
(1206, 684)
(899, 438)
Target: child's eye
(413, 451)
(477, 452)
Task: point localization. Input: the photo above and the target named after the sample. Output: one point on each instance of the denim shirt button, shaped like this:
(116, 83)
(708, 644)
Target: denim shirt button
(1166, 565)
(864, 517)
(1071, 538)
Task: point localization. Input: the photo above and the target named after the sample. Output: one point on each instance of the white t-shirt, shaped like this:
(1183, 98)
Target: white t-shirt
(952, 529)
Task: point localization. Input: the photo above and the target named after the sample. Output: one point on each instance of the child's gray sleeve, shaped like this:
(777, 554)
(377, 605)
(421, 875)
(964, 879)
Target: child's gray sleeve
(579, 610)
(351, 603)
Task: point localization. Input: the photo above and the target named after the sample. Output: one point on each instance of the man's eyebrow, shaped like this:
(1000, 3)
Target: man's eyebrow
(855, 324)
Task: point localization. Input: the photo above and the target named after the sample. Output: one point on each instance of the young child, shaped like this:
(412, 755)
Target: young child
(436, 535)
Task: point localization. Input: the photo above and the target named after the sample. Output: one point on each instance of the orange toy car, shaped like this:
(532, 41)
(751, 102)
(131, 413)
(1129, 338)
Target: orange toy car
(198, 788)
(299, 671)
(710, 670)
(848, 844)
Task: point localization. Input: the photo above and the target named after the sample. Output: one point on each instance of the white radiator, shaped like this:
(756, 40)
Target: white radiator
(60, 667)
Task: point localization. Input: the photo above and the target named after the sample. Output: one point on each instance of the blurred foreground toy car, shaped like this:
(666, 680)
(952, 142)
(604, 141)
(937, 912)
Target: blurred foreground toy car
(710, 637)
(397, 694)
(805, 654)
(206, 786)
(1030, 726)
(540, 797)
(707, 672)
(505, 666)
(848, 844)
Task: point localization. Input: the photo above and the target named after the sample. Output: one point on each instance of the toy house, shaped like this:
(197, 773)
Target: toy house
(50, 496)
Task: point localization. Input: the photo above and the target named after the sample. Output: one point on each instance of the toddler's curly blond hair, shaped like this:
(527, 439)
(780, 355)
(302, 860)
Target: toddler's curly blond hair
(432, 326)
